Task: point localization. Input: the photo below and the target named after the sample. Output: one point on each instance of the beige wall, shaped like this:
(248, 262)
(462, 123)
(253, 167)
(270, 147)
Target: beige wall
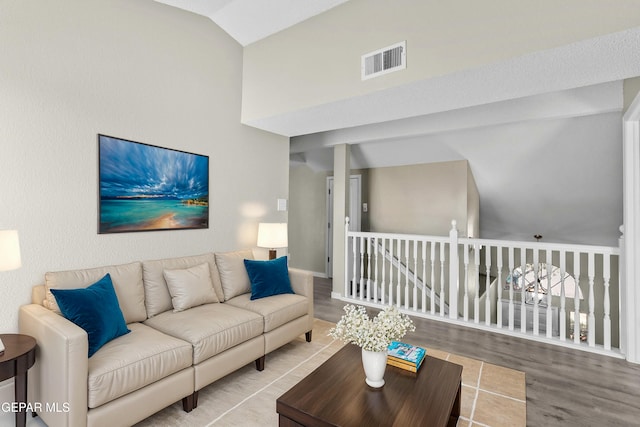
(419, 199)
(133, 69)
(307, 218)
(308, 215)
(631, 89)
(318, 61)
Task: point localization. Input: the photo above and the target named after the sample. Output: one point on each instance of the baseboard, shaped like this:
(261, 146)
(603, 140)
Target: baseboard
(336, 295)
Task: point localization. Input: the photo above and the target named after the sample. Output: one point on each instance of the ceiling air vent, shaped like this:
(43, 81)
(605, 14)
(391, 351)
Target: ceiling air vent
(385, 60)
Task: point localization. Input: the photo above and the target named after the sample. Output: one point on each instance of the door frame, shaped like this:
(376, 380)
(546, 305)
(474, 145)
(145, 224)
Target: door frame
(629, 292)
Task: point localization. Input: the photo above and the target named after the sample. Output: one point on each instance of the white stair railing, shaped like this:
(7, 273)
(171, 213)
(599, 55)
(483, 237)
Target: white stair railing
(545, 291)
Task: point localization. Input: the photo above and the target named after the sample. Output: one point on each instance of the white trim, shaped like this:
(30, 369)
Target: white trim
(337, 295)
(629, 294)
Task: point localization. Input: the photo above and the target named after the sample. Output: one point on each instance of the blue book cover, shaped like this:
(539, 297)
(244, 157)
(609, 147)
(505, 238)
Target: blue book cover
(406, 353)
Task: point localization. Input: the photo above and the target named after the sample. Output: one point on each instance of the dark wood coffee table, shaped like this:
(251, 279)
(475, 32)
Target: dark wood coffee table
(335, 394)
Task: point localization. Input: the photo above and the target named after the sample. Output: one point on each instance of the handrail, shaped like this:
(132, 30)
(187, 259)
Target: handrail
(432, 276)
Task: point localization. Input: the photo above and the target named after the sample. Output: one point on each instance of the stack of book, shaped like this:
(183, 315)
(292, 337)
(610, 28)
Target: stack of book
(405, 356)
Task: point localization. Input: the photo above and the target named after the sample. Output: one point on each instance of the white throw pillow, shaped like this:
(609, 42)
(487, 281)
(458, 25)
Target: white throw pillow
(127, 282)
(190, 287)
(233, 274)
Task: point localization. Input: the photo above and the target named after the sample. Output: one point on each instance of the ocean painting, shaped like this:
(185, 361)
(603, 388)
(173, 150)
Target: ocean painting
(144, 187)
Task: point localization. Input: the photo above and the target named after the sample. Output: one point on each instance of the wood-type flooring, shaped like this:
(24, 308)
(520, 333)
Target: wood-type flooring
(564, 387)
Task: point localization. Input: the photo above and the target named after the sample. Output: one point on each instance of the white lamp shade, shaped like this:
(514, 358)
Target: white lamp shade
(272, 235)
(9, 250)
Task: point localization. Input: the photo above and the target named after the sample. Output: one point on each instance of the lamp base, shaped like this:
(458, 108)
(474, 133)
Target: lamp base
(1, 348)
(272, 254)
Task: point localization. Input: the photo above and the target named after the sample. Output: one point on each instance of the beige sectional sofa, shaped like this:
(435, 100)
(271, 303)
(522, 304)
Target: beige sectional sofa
(170, 353)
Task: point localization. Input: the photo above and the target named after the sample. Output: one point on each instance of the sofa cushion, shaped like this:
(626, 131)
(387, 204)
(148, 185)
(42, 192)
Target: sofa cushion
(210, 328)
(133, 361)
(95, 309)
(268, 277)
(157, 296)
(276, 310)
(126, 279)
(233, 274)
(190, 287)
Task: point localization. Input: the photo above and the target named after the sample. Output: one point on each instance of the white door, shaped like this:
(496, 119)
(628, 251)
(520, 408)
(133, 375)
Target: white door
(355, 197)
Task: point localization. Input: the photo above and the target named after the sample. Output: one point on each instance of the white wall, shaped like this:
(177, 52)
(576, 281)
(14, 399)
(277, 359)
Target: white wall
(138, 70)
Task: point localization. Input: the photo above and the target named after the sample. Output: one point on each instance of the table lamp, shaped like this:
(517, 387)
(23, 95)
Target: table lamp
(272, 235)
(9, 256)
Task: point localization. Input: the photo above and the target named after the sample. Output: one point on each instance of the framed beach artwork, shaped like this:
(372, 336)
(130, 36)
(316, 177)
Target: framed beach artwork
(143, 187)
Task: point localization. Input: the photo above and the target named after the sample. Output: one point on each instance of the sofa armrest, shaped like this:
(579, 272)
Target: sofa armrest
(302, 284)
(59, 376)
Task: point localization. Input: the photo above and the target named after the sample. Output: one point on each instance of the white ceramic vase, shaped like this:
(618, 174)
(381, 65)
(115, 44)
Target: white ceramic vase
(374, 363)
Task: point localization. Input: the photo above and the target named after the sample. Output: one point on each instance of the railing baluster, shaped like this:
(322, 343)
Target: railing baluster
(549, 298)
(354, 279)
(399, 278)
(563, 298)
(369, 246)
(407, 259)
(442, 294)
(383, 287)
(361, 284)
(433, 277)
(523, 308)
(487, 289)
(415, 275)
(375, 281)
(511, 285)
(606, 274)
(576, 298)
(499, 287)
(424, 276)
(591, 325)
(391, 247)
(476, 298)
(466, 283)
(536, 283)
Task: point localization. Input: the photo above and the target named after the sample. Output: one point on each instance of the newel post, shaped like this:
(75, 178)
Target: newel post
(453, 271)
(346, 258)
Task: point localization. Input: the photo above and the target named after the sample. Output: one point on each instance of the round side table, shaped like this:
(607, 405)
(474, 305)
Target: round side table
(19, 355)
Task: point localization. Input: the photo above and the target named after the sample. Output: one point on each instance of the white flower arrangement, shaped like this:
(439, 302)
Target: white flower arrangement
(375, 334)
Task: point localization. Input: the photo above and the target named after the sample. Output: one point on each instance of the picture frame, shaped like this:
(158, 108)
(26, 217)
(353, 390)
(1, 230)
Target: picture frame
(144, 187)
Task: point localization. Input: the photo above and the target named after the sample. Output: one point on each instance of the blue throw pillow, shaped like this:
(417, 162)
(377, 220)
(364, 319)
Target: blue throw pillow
(268, 277)
(95, 309)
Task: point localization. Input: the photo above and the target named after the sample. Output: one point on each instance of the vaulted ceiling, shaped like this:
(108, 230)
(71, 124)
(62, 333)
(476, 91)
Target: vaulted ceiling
(248, 21)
